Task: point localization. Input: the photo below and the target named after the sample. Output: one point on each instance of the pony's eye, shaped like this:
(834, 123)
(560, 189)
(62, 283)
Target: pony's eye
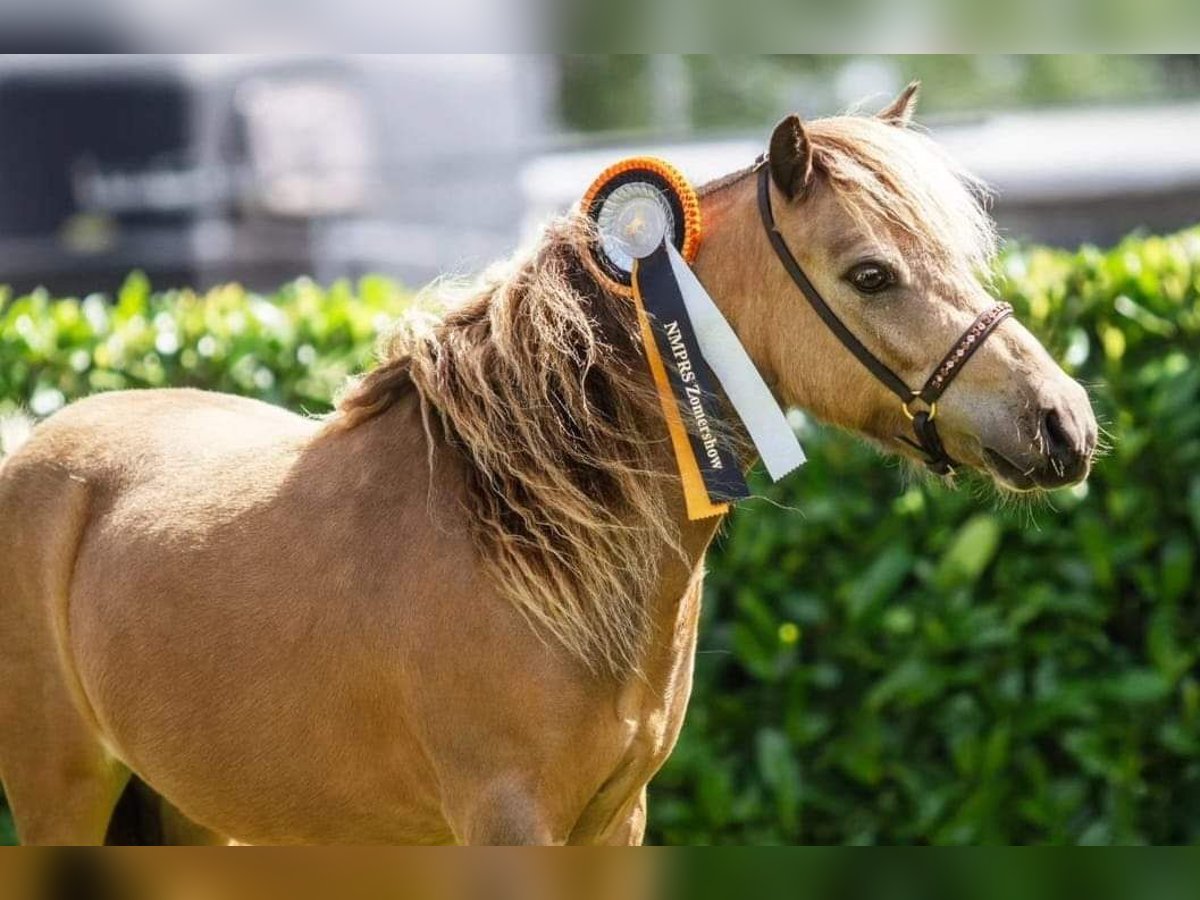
(871, 277)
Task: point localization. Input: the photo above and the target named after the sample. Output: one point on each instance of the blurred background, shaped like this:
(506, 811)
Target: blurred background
(204, 169)
(882, 659)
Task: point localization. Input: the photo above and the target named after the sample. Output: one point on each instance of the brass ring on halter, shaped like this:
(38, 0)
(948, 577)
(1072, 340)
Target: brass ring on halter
(906, 406)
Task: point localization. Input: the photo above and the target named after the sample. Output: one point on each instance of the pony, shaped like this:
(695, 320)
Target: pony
(463, 607)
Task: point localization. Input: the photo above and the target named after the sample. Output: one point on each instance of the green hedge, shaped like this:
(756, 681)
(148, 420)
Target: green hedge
(890, 661)
(908, 664)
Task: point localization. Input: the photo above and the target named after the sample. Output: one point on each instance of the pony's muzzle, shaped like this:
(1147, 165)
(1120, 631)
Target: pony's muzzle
(1062, 448)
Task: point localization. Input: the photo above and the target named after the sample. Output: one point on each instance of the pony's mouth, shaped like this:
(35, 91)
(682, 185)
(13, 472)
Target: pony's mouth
(1018, 478)
(1009, 473)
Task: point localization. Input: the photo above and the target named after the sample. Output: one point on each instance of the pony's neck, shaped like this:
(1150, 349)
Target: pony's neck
(734, 255)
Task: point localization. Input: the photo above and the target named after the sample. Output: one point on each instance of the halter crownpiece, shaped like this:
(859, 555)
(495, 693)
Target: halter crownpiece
(928, 441)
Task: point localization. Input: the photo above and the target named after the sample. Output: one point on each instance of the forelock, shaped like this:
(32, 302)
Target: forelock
(902, 178)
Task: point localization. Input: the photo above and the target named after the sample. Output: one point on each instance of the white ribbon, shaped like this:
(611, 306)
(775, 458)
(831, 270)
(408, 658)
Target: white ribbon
(749, 395)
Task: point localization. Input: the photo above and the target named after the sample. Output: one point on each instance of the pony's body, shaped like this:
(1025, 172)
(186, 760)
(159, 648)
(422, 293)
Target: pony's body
(464, 608)
(353, 679)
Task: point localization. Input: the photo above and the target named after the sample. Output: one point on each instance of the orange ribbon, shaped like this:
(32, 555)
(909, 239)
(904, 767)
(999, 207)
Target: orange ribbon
(695, 494)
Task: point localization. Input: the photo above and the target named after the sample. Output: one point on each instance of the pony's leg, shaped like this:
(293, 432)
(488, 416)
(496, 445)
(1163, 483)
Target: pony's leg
(62, 791)
(59, 779)
(61, 782)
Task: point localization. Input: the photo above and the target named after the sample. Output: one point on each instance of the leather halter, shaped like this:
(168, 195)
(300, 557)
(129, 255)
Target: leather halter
(923, 421)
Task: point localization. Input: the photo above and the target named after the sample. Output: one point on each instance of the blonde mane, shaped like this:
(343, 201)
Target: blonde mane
(538, 380)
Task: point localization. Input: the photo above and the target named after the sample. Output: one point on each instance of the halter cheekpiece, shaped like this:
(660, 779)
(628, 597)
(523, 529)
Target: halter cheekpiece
(920, 406)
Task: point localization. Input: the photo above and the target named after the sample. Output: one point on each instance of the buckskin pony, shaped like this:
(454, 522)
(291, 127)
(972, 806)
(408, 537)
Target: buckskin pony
(463, 607)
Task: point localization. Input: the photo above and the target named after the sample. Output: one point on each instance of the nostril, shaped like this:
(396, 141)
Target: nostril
(1061, 445)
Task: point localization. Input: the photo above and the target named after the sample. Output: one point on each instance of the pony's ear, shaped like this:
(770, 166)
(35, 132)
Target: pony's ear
(790, 157)
(900, 111)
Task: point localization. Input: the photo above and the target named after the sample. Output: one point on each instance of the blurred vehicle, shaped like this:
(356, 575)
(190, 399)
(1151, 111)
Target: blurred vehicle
(199, 170)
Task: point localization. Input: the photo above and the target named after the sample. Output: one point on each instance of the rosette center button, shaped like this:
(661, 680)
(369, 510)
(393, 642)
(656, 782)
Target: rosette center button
(640, 225)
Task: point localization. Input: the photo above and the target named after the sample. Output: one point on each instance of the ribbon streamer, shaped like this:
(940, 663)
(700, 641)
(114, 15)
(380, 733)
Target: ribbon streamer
(692, 395)
(728, 360)
(695, 495)
(691, 383)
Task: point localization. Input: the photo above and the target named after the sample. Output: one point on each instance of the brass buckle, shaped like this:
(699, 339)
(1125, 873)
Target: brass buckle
(908, 411)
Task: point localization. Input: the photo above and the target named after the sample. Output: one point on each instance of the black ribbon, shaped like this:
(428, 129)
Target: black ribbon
(691, 381)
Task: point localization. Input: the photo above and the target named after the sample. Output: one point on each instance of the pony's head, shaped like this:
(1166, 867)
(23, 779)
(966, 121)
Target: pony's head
(894, 237)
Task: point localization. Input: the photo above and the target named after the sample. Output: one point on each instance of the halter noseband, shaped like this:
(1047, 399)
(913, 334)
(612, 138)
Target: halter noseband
(924, 427)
